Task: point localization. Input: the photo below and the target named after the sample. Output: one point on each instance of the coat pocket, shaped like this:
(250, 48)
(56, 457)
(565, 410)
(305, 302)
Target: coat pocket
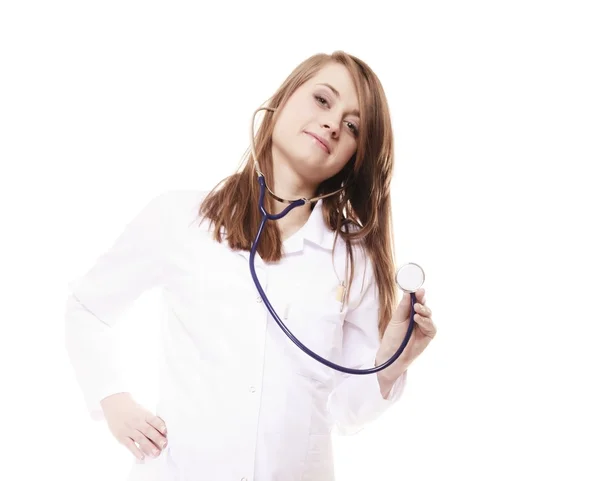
(318, 464)
(316, 319)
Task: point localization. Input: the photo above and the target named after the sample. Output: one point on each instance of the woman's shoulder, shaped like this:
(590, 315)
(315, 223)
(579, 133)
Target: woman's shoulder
(174, 210)
(181, 197)
(179, 201)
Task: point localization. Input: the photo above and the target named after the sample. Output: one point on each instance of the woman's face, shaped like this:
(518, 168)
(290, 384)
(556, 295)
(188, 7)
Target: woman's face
(326, 108)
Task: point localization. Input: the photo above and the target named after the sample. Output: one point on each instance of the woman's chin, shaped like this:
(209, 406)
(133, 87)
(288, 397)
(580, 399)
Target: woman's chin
(313, 175)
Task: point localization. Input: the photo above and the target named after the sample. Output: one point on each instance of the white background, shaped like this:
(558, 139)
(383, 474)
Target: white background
(496, 111)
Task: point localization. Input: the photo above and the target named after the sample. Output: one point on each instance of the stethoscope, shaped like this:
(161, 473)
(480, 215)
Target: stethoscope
(410, 277)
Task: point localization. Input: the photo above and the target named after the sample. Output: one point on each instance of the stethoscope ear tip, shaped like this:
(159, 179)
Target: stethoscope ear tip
(410, 277)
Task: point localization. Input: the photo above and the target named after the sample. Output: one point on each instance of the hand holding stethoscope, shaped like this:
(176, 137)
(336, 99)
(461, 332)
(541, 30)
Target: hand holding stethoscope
(423, 331)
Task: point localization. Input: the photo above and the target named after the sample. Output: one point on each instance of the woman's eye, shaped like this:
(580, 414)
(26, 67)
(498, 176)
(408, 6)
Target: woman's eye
(321, 100)
(353, 128)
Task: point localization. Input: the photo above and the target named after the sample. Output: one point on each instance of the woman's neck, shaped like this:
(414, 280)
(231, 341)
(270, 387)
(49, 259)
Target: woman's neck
(289, 186)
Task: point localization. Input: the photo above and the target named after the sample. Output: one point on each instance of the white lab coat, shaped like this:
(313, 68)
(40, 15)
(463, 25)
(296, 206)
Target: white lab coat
(240, 401)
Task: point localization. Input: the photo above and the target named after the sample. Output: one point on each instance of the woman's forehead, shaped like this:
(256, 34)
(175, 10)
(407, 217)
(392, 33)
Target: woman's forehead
(337, 79)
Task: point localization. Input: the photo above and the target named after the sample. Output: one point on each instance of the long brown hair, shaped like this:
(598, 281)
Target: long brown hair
(365, 200)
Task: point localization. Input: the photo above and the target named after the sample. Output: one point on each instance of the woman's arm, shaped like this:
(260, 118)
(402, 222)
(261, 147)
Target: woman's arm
(357, 400)
(133, 264)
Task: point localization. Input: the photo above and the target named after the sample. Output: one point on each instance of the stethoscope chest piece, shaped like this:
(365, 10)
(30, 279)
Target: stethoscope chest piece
(410, 277)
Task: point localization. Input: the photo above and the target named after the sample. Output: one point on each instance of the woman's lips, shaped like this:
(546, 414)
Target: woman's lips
(320, 141)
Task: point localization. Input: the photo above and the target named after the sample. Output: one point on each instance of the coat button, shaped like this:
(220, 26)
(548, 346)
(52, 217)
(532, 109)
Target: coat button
(258, 298)
(252, 389)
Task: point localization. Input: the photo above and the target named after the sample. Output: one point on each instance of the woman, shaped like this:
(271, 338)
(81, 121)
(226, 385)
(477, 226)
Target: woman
(237, 399)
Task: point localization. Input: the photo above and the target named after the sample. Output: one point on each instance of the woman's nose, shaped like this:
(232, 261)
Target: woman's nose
(332, 127)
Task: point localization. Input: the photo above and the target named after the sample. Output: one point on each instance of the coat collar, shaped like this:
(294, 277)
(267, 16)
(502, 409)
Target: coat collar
(314, 231)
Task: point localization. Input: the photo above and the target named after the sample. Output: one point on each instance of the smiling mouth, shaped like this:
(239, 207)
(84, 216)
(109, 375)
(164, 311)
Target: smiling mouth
(318, 142)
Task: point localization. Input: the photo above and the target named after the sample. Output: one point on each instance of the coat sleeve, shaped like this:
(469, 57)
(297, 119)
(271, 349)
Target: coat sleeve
(134, 263)
(356, 400)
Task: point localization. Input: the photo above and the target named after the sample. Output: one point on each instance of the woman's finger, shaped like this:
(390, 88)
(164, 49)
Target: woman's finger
(153, 435)
(130, 444)
(426, 325)
(147, 447)
(423, 319)
(422, 309)
(420, 295)
(158, 424)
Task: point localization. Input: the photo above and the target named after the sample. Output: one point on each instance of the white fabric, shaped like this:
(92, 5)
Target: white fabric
(240, 401)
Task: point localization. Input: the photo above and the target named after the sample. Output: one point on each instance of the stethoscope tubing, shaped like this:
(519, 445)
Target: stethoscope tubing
(266, 216)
